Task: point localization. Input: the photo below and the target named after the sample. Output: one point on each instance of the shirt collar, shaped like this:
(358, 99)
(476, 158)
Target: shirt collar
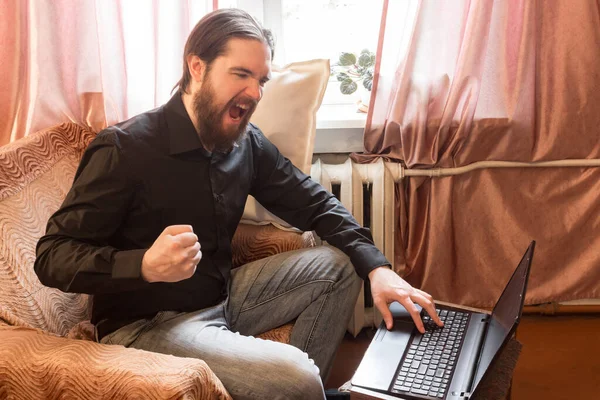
(182, 133)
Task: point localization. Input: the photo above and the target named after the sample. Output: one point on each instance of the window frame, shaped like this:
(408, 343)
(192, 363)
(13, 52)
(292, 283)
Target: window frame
(269, 13)
(339, 125)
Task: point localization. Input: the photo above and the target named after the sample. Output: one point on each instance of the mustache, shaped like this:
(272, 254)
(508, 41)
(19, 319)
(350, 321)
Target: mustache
(243, 100)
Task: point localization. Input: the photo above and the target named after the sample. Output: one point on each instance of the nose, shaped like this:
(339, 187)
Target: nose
(254, 90)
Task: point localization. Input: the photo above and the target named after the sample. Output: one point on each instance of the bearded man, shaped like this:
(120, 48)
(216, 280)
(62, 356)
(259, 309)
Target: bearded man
(147, 228)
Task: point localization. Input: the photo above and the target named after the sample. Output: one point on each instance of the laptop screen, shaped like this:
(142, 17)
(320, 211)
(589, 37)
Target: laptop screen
(505, 316)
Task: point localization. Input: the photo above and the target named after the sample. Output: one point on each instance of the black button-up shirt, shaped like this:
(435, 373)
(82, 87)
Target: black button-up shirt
(142, 175)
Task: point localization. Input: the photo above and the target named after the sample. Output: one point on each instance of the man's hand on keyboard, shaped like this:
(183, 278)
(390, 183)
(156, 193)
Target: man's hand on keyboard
(387, 286)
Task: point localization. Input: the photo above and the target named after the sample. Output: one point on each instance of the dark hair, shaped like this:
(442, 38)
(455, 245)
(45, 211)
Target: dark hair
(208, 40)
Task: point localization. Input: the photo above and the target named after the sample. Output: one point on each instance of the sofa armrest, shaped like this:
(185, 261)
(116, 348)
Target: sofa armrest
(37, 365)
(253, 242)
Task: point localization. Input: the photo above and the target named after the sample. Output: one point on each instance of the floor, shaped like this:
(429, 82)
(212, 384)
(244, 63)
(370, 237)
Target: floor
(560, 358)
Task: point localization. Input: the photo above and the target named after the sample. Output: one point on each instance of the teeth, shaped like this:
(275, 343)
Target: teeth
(243, 106)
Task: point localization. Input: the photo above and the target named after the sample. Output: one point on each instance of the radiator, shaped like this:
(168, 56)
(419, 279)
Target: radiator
(367, 191)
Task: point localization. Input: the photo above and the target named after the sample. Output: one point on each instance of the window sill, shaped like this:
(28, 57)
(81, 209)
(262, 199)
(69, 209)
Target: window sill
(339, 129)
(340, 116)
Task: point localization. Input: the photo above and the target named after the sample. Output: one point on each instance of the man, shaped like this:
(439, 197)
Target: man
(146, 228)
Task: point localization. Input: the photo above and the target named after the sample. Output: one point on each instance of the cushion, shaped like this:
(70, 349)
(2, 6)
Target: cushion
(35, 174)
(287, 116)
(252, 242)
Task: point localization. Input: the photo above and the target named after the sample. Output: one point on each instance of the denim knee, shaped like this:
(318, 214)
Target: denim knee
(295, 376)
(305, 373)
(340, 260)
(347, 270)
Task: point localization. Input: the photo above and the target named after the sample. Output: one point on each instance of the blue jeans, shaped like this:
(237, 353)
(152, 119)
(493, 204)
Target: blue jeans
(317, 287)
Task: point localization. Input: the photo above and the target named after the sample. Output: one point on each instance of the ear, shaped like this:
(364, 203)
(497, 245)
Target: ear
(196, 67)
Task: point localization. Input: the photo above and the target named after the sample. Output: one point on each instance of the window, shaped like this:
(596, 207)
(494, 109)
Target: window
(307, 29)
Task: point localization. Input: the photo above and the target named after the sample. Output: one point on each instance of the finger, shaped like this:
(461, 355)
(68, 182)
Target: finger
(192, 264)
(196, 259)
(414, 312)
(385, 313)
(193, 250)
(187, 272)
(194, 267)
(186, 239)
(177, 229)
(426, 301)
(425, 294)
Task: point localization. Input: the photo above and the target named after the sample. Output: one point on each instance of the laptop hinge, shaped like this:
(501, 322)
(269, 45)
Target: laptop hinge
(464, 395)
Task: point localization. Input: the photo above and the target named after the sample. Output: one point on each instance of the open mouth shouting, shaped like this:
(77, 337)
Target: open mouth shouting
(238, 110)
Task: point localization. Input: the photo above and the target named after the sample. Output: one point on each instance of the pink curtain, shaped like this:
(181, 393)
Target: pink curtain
(514, 80)
(93, 62)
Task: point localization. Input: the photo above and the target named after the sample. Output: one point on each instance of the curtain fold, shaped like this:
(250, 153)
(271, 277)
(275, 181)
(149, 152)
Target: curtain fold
(92, 62)
(505, 80)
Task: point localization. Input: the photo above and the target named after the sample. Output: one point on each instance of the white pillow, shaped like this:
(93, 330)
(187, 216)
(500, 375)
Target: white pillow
(287, 115)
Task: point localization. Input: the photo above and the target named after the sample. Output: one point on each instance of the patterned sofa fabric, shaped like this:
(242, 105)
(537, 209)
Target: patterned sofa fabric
(40, 356)
(253, 242)
(35, 174)
(36, 365)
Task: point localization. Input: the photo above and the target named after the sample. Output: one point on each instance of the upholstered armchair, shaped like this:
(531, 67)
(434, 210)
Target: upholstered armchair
(47, 347)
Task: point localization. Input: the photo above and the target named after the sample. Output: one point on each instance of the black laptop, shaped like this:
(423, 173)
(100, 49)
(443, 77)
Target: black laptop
(448, 362)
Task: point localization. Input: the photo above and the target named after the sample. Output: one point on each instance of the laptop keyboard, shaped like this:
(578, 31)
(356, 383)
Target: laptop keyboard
(429, 362)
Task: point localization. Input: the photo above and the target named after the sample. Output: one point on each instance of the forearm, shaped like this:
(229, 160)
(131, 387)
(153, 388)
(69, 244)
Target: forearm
(334, 224)
(358, 245)
(310, 207)
(74, 266)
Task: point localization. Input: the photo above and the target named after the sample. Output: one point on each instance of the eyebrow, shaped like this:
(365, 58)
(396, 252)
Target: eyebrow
(247, 71)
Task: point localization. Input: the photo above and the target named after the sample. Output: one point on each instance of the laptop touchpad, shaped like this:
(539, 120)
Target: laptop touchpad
(400, 333)
(378, 367)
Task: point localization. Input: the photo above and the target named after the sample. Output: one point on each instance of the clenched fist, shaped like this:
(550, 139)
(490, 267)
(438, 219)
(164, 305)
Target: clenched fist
(173, 256)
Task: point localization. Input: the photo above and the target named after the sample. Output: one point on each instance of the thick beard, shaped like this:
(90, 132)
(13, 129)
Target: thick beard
(210, 121)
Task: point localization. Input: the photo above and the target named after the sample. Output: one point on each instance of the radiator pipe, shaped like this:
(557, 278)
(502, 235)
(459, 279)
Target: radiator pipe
(441, 172)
